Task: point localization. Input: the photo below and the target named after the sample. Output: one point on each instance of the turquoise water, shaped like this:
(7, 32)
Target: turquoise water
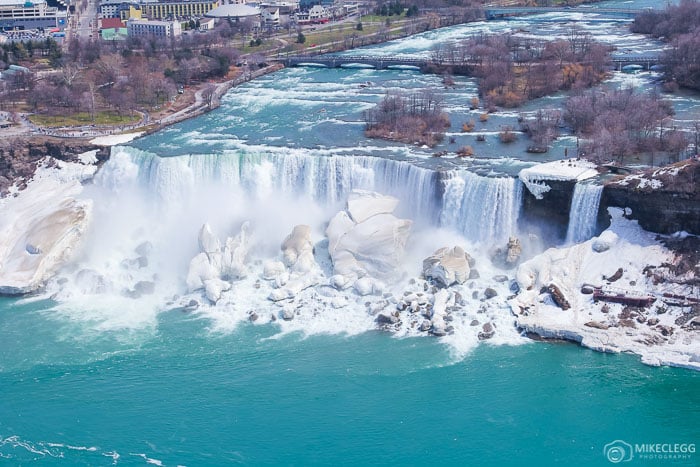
(138, 384)
(179, 394)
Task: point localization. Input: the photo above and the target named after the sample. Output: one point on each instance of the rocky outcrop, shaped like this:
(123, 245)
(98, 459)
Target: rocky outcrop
(509, 256)
(663, 200)
(19, 157)
(366, 239)
(42, 225)
(215, 266)
(298, 249)
(448, 266)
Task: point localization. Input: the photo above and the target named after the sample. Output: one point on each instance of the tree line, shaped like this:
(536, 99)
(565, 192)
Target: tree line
(512, 69)
(679, 25)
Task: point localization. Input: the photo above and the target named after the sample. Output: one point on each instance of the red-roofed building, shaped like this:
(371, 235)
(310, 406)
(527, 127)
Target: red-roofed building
(111, 23)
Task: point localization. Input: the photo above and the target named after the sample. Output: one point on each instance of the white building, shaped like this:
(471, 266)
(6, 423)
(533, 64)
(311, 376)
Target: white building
(271, 16)
(144, 28)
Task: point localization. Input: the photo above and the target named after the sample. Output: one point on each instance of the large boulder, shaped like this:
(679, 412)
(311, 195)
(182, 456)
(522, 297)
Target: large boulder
(366, 238)
(298, 250)
(214, 262)
(447, 266)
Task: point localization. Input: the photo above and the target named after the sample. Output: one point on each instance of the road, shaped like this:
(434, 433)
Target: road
(83, 24)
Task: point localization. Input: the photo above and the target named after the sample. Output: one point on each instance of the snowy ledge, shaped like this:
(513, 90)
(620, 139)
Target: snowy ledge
(113, 140)
(662, 333)
(535, 177)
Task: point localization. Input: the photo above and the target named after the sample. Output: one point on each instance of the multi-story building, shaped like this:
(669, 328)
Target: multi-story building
(30, 14)
(153, 28)
(124, 9)
(178, 9)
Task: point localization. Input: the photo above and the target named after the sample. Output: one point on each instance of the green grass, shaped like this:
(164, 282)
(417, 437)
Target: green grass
(83, 118)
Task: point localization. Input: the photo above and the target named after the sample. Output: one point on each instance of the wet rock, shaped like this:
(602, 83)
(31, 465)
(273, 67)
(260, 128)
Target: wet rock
(627, 323)
(558, 296)
(144, 249)
(500, 278)
(587, 289)
(652, 321)
(438, 330)
(489, 293)
(665, 330)
(287, 315)
(487, 332)
(596, 325)
(514, 287)
(192, 304)
(145, 287)
(474, 322)
(425, 326)
(509, 256)
(447, 266)
(475, 295)
(383, 318)
(614, 277)
(253, 317)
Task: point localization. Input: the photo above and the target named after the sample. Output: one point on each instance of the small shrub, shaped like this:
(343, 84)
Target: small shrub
(468, 126)
(507, 135)
(465, 151)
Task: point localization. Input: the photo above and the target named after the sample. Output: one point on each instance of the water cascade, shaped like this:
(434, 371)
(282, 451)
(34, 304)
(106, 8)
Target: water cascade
(484, 209)
(583, 214)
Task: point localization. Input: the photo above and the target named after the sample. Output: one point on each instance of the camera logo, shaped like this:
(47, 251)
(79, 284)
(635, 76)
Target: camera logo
(618, 451)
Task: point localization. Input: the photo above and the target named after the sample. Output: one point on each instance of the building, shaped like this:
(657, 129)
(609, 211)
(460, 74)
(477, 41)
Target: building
(110, 23)
(110, 8)
(153, 28)
(30, 14)
(155, 9)
(318, 14)
(235, 12)
(284, 7)
(270, 16)
(178, 9)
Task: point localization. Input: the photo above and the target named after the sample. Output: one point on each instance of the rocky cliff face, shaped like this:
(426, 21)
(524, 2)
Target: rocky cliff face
(551, 211)
(663, 200)
(19, 156)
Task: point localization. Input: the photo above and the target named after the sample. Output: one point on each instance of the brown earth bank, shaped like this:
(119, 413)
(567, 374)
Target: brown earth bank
(19, 156)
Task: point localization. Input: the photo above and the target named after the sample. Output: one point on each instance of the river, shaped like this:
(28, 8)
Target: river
(91, 377)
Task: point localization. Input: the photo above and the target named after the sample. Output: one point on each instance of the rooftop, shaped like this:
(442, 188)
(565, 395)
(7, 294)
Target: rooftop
(232, 10)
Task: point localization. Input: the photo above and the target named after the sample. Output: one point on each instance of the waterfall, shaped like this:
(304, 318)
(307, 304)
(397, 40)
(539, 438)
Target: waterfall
(583, 214)
(484, 209)
(324, 179)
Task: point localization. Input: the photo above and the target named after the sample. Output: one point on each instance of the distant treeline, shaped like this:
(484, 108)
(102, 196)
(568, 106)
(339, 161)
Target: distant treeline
(679, 25)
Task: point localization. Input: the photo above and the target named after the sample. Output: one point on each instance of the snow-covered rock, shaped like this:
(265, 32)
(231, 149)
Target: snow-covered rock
(41, 226)
(372, 246)
(652, 331)
(534, 178)
(298, 250)
(213, 262)
(447, 266)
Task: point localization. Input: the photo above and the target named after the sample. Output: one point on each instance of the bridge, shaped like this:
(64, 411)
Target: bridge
(380, 63)
(506, 12)
(338, 61)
